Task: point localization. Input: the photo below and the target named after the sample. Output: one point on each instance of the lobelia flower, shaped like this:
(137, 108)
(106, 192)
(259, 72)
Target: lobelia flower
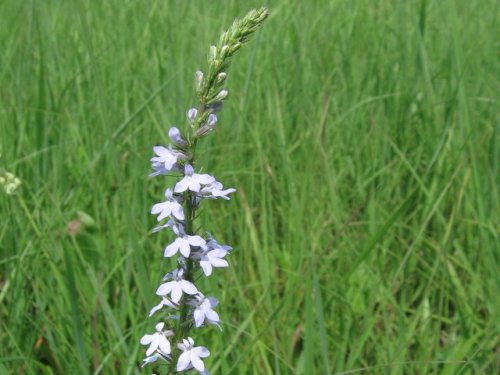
(171, 207)
(182, 243)
(215, 190)
(176, 287)
(166, 159)
(204, 310)
(192, 181)
(212, 257)
(191, 355)
(180, 298)
(157, 340)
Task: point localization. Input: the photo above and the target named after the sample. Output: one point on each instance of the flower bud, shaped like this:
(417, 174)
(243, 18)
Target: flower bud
(176, 137)
(236, 47)
(191, 115)
(221, 95)
(224, 50)
(221, 77)
(212, 120)
(208, 127)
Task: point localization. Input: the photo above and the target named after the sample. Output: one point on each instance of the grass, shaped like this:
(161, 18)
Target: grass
(362, 137)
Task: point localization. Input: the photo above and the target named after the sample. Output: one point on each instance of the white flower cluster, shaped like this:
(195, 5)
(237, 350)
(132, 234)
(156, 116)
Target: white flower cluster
(181, 301)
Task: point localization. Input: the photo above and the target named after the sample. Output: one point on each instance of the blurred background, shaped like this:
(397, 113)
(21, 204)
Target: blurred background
(362, 137)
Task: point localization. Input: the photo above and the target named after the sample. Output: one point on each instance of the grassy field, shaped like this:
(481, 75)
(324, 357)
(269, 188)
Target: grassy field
(362, 137)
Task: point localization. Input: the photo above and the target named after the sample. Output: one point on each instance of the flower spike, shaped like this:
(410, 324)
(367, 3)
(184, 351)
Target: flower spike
(183, 307)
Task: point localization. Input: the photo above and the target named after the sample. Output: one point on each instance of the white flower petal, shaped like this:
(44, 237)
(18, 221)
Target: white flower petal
(182, 185)
(154, 345)
(216, 262)
(196, 361)
(212, 315)
(161, 151)
(184, 247)
(164, 345)
(188, 287)
(207, 267)
(171, 249)
(159, 327)
(151, 359)
(201, 351)
(196, 241)
(156, 308)
(183, 361)
(176, 291)
(178, 212)
(157, 208)
(146, 339)
(199, 317)
(165, 288)
(205, 179)
(194, 186)
(218, 252)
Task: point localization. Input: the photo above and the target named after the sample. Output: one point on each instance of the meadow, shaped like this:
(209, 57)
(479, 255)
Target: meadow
(362, 138)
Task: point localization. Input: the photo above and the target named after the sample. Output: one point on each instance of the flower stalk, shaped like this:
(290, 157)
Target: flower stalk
(183, 306)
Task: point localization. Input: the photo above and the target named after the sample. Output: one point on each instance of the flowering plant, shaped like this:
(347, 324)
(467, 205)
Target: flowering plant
(183, 305)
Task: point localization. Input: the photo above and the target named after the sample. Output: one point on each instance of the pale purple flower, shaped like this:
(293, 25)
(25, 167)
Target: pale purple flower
(176, 287)
(164, 302)
(191, 355)
(204, 310)
(171, 207)
(213, 258)
(215, 190)
(192, 181)
(165, 160)
(157, 340)
(176, 136)
(183, 243)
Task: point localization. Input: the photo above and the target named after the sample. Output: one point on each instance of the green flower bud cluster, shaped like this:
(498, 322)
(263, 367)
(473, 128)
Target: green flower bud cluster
(210, 87)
